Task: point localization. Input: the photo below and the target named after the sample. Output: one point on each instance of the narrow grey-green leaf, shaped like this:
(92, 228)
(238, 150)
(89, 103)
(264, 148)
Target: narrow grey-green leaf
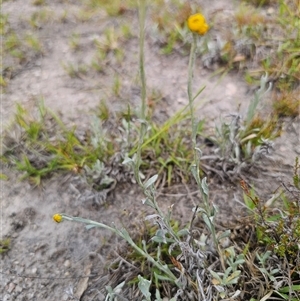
(144, 286)
(150, 182)
(204, 186)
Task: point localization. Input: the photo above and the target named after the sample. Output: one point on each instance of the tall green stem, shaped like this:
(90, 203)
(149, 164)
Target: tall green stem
(142, 17)
(196, 163)
(125, 235)
(208, 213)
(190, 90)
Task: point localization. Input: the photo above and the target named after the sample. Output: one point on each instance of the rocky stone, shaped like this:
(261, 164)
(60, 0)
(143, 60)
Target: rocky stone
(11, 287)
(7, 297)
(67, 263)
(18, 289)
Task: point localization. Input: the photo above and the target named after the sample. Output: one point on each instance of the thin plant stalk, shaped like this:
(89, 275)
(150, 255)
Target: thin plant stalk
(190, 91)
(125, 235)
(148, 191)
(208, 211)
(142, 17)
(196, 162)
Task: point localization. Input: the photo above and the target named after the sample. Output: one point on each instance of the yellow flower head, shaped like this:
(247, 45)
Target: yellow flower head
(197, 23)
(57, 217)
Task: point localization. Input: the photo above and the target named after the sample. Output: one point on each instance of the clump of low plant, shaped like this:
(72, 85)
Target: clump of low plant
(287, 104)
(277, 236)
(260, 3)
(4, 245)
(107, 51)
(112, 8)
(40, 144)
(283, 64)
(41, 17)
(169, 23)
(261, 43)
(248, 17)
(17, 49)
(197, 267)
(296, 176)
(38, 2)
(166, 148)
(243, 141)
(148, 237)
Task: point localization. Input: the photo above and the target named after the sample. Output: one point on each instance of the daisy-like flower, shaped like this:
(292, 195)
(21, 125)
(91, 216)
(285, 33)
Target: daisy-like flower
(57, 217)
(197, 23)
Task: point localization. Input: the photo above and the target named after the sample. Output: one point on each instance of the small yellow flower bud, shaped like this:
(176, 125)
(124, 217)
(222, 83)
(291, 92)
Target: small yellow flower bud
(197, 23)
(57, 218)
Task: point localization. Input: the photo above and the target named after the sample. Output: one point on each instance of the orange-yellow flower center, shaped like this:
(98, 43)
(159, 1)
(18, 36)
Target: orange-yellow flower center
(57, 218)
(197, 23)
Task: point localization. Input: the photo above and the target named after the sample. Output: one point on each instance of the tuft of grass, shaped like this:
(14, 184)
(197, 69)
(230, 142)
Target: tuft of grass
(4, 245)
(277, 230)
(38, 2)
(4, 24)
(247, 17)
(283, 64)
(166, 148)
(170, 22)
(103, 111)
(84, 15)
(3, 82)
(260, 128)
(17, 49)
(112, 7)
(108, 51)
(110, 41)
(12, 42)
(98, 62)
(74, 41)
(41, 17)
(117, 85)
(242, 142)
(34, 43)
(45, 145)
(75, 70)
(287, 104)
(261, 43)
(261, 3)
(296, 176)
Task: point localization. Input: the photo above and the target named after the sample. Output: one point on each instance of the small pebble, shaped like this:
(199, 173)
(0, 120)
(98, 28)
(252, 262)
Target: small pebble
(67, 263)
(7, 297)
(18, 289)
(11, 287)
(20, 270)
(270, 11)
(181, 100)
(33, 270)
(92, 255)
(37, 73)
